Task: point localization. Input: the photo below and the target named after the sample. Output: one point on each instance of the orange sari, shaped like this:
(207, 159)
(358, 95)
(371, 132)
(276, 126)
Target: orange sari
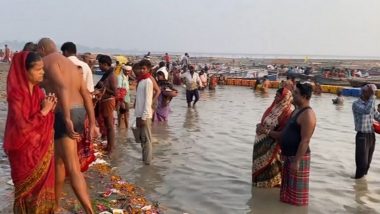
(28, 142)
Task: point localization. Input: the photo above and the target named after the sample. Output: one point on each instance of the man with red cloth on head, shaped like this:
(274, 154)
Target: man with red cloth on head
(144, 111)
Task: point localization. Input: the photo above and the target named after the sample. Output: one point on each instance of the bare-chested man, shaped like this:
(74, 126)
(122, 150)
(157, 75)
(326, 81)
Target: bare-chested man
(63, 79)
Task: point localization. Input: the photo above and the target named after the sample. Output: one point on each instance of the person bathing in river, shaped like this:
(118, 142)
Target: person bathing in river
(266, 161)
(167, 93)
(339, 100)
(265, 85)
(203, 77)
(317, 88)
(295, 139)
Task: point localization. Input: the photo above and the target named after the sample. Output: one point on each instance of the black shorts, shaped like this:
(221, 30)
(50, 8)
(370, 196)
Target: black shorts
(78, 116)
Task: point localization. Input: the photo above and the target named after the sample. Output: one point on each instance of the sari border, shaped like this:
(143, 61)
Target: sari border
(30, 182)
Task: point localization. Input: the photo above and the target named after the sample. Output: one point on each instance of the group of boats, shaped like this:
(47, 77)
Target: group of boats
(342, 81)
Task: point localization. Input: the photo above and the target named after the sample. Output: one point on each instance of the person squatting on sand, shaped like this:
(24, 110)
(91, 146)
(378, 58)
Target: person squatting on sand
(74, 101)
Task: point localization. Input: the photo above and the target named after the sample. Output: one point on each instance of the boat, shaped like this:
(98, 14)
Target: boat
(302, 76)
(332, 81)
(272, 75)
(360, 82)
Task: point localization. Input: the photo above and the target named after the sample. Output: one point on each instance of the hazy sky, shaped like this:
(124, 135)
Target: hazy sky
(299, 27)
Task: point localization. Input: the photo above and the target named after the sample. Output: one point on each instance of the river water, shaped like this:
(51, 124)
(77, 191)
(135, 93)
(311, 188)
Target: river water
(202, 159)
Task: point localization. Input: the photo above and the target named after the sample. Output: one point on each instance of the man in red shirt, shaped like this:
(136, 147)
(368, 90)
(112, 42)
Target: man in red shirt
(167, 60)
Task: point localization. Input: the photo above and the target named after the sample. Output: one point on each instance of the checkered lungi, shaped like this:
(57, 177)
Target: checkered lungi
(295, 186)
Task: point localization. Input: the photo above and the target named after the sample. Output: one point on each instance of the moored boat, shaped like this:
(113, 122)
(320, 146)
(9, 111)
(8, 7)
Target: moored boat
(332, 81)
(359, 82)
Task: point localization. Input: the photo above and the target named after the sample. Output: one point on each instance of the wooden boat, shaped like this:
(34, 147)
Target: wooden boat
(332, 81)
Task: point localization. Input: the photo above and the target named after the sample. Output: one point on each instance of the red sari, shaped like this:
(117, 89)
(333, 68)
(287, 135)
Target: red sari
(28, 142)
(266, 161)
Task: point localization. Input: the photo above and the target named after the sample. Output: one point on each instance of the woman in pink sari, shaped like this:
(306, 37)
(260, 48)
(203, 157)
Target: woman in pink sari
(28, 139)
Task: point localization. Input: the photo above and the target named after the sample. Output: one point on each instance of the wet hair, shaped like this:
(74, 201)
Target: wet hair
(30, 46)
(146, 63)
(305, 90)
(31, 59)
(105, 59)
(69, 47)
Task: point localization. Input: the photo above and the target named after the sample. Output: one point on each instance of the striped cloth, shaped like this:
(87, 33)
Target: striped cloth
(295, 187)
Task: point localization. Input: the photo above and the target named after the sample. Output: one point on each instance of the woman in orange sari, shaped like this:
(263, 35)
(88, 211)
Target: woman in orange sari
(28, 140)
(266, 164)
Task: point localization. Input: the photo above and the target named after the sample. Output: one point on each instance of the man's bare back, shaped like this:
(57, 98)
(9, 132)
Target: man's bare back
(62, 74)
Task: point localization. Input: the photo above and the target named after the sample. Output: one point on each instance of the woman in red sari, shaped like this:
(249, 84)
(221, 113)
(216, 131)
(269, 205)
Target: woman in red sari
(28, 140)
(266, 163)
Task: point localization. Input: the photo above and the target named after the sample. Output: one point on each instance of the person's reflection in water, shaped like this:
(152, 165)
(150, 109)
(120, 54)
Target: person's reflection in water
(362, 198)
(151, 178)
(191, 119)
(261, 201)
(361, 190)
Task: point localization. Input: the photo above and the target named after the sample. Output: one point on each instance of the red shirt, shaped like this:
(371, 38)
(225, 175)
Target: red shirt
(167, 58)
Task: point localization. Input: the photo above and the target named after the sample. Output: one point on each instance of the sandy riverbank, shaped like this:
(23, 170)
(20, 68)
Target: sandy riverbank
(101, 178)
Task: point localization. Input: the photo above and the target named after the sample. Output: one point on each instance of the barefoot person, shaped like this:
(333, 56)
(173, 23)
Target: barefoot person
(63, 79)
(107, 105)
(193, 82)
(144, 111)
(7, 56)
(295, 139)
(124, 98)
(364, 110)
(28, 136)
